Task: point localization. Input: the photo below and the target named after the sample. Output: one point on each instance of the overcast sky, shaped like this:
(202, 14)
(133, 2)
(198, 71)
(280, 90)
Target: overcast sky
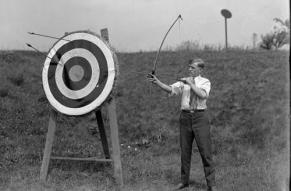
(137, 24)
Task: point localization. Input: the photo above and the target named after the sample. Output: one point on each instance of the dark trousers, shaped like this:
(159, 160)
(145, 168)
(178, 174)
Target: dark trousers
(196, 125)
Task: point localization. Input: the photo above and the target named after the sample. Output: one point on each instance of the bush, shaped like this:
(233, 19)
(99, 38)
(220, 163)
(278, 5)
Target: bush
(278, 37)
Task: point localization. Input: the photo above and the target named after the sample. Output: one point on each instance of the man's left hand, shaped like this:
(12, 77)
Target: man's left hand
(152, 78)
(186, 80)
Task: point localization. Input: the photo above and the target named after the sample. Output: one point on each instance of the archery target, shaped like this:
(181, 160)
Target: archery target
(79, 73)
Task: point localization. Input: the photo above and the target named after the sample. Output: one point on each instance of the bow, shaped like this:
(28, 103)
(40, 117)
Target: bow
(158, 53)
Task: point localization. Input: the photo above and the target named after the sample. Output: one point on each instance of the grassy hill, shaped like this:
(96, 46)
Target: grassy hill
(248, 105)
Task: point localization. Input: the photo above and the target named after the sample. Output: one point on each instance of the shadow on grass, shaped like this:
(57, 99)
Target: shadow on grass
(81, 166)
(197, 185)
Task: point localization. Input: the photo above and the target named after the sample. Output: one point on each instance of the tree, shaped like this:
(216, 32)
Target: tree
(278, 37)
(267, 41)
(188, 46)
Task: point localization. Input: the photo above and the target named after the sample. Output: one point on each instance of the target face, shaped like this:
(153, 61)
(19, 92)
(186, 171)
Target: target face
(79, 73)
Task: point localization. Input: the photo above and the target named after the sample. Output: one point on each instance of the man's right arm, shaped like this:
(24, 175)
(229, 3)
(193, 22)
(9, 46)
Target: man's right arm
(163, 86)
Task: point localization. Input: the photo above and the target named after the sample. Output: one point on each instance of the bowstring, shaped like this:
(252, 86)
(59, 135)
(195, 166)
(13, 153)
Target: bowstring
(179, 54)
(151, 85)
(179, 30)
(176, 77)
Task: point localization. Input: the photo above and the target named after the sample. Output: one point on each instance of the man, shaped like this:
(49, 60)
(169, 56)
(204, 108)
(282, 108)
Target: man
(194, 122)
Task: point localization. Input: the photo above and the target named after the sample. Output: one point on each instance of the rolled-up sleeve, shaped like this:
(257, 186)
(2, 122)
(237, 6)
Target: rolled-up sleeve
(176, 88)
(206, 86)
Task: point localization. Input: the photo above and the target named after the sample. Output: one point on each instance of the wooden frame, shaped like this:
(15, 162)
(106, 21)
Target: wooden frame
(111, 106)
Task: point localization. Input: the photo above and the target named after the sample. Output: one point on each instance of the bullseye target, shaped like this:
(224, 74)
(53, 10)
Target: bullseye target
(79, 73)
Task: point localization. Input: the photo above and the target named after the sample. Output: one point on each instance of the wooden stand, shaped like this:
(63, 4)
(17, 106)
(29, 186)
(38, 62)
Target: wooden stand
(111, 106)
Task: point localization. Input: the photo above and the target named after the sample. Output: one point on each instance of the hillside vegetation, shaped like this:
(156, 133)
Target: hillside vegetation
(248, 106)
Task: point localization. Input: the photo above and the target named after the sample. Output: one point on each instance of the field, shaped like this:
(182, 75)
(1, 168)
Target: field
(248, 105)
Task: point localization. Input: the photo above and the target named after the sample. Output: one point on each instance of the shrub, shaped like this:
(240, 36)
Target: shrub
(278, 37)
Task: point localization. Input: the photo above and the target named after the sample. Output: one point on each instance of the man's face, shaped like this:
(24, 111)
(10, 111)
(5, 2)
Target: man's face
(194, 69)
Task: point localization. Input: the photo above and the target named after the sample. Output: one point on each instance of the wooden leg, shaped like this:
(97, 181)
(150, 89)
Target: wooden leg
(115, 142)
(102, 133)
(48, 145)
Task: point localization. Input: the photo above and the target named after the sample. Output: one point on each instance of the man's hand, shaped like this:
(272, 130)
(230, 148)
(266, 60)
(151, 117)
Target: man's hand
(187, 81)
(152, 78)
(182, 80)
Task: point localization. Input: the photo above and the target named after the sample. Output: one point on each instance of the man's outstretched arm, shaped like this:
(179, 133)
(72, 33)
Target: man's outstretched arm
(152, 78)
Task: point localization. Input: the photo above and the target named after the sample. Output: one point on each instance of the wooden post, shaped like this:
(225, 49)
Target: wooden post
(114, 130)
(225, 23)
(102, 133)
(115, 142)
(48, 145)
(104, 34)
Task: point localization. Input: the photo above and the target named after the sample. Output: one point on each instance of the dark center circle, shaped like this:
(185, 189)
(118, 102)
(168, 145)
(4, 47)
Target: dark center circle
(77, 73)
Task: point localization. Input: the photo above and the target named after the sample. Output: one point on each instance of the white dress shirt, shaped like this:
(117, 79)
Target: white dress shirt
(184, 89)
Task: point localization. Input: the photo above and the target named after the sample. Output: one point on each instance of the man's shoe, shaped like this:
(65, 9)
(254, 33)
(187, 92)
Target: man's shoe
(211, 188)
(181, 186)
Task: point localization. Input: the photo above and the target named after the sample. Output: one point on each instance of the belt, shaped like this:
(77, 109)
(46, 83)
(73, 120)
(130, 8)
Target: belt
(193, 110)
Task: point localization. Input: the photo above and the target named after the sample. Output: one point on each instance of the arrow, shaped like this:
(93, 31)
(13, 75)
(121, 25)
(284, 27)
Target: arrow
(47, 36)
(54, 58)
(29, 45)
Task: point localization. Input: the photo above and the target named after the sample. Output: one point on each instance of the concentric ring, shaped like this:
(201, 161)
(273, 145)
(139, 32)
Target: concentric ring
(97, 61)
(78, 73)
(63, 88)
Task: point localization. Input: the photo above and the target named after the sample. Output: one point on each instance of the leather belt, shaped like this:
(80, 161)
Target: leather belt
(193, 111)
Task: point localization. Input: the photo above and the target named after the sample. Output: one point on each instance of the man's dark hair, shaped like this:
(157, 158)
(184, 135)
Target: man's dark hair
(199, 61)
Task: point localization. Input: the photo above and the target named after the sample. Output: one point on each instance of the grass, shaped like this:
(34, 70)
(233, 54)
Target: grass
(248, 104)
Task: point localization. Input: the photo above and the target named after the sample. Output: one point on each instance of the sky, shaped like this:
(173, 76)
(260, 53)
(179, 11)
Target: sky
(136, 25)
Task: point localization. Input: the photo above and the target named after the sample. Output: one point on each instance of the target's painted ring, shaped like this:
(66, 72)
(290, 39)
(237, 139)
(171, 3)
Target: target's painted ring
(79, 74)
(79, 71)
(64, 89)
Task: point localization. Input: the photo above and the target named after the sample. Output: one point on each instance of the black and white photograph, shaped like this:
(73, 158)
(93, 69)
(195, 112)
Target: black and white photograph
(145, 95)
